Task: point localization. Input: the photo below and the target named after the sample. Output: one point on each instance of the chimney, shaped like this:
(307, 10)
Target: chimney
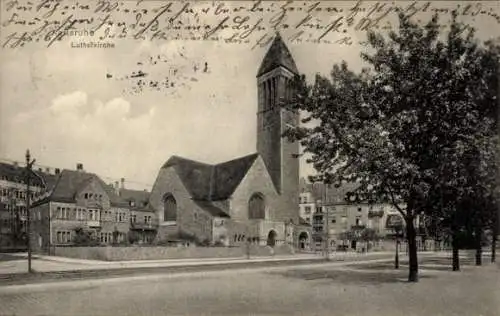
(117, 188)
(122, 183)
(40, 169)
(79, 167)
(57, 171)
(47, 170)
(15, 163)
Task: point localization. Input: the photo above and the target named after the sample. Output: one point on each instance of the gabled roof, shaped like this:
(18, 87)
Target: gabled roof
(333, 195)
(140, 198)
(211, 208)
(277, 55)
(211, 182)
(228, 175)
(339, 195)
(69, 182)
(48, 179)
(13, 173)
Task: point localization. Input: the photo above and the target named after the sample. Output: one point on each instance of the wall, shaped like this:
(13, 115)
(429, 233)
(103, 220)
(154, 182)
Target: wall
(40, 237)
(151, 253)
(256, 180)
(168, 182)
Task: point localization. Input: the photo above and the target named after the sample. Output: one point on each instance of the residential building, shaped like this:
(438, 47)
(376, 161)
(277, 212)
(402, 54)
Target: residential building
(307, 206)
(13, 212)
(143, 219)
(79, 206)
(342, 220)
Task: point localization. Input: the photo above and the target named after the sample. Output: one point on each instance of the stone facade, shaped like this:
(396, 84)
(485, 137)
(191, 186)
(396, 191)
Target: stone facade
(190, 218)
(79, 204)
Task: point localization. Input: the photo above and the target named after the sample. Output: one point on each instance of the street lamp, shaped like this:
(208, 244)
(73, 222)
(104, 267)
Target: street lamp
(29, 165)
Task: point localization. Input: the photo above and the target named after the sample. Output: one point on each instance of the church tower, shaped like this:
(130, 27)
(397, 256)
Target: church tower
(274, 80)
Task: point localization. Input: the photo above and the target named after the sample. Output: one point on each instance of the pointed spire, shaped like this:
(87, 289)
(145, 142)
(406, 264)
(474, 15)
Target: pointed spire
(277, 55)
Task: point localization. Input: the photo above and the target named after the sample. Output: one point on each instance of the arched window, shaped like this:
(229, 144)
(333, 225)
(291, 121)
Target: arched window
(256, 207)
(169, 208)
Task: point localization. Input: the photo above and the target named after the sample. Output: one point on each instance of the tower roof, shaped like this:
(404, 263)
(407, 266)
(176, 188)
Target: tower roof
(277, 55)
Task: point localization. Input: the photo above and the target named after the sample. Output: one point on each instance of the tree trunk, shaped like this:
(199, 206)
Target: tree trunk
(479, 252)
(412, 250)
(493, 248)
(495, 236)
(456, 258)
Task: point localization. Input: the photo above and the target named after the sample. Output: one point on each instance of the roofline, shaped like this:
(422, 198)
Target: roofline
(261, 74)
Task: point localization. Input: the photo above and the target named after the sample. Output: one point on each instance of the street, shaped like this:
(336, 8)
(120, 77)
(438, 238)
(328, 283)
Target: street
(337, 288)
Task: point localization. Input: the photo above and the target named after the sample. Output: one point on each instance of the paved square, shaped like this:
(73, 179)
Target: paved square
(317, 289)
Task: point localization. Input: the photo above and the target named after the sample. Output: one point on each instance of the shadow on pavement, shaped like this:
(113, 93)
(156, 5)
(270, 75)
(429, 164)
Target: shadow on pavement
(8, 257)
(349, 277)
(436, 264)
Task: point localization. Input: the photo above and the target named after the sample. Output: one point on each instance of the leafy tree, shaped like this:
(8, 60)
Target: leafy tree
(464, 189)
(369, 234)
(132, 237)
(401, 127)
(82, 237)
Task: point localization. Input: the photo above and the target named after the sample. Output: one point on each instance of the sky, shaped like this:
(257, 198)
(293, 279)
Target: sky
(73, 105)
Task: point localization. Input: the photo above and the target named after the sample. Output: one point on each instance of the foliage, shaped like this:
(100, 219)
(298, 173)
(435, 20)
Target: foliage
(402, 127)
(369, 234)
(83, 237)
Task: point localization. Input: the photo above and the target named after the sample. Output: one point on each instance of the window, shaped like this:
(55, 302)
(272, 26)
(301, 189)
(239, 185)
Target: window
(358, 221)
(195, 216)
(359, 209)
(133, 218)
(169, 208)
(307, 210)
(63, 237)
(256, 207)
(131, 203)
(334, 220)
(86, 196)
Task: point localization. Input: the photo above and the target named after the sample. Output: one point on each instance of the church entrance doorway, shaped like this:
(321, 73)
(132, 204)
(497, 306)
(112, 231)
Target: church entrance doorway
(271, 238)
(303, 240)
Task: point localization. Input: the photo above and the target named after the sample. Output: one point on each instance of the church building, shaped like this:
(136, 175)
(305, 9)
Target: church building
(254, 198)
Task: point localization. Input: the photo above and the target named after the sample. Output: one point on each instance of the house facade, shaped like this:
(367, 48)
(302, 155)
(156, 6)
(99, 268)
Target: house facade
(332, 214)
(13, 211)
(82, 207)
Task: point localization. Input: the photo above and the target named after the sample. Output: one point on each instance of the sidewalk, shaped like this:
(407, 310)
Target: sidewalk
(42, 263)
